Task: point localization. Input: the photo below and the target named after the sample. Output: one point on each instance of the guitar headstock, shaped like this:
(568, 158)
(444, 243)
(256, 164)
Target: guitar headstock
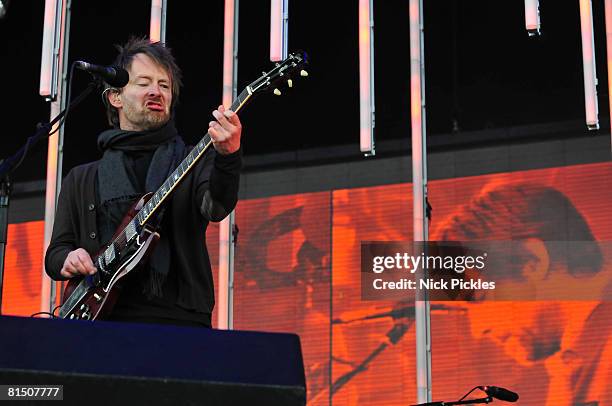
(281, 75)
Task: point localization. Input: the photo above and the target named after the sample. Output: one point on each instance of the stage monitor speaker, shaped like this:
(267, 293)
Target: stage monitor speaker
(111, 363)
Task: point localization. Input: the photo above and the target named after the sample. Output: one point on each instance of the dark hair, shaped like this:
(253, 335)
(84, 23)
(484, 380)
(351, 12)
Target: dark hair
(154, 50)
(519, 211)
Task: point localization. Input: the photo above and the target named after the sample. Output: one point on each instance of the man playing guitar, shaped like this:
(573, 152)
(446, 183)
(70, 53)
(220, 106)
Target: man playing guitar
(175, 285)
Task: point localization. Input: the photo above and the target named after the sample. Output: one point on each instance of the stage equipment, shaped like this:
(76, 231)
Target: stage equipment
(4, 4)
(52, 34)
(279, 29)
(227, 227)
(500, 393)
(367, 121)
(588, 65)
(157, 30)
(9, 165)
(111, 363)
(493, 392)
(115, 76)
(419, 187)
(5, 193)
(53, 75)
(532, 17)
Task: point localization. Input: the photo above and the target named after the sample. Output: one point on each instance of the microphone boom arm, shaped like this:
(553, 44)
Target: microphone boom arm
(488, 399)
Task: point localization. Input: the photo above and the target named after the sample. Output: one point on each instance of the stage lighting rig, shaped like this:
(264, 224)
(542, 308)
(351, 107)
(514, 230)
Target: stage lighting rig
(4, 4)
(532, 17)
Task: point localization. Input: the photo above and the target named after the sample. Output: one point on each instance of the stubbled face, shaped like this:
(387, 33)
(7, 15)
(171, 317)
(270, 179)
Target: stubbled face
(144, 103)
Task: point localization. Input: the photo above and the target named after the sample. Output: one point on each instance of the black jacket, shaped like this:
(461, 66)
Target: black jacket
(185, 222)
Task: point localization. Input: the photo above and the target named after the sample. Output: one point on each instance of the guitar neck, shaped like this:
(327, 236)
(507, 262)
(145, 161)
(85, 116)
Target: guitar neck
(184, 167)
(166, 189)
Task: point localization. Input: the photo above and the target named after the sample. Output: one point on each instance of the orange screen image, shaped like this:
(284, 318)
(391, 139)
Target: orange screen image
(297, 270)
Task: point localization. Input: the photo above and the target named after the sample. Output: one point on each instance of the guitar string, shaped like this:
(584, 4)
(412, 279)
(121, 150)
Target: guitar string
(122, 239)
(205, 143)
(201, 147)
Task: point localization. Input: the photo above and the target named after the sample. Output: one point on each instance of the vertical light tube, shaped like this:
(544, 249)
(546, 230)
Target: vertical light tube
(532, 17)
(55, 149)
(588, 64)
(225, 296)
(279, 29)
(48, 60)
(157, 31)
(608, 5)
(366, 77)
(419, 186)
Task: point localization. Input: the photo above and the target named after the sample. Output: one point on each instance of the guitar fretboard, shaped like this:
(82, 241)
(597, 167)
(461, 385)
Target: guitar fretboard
(184, 167)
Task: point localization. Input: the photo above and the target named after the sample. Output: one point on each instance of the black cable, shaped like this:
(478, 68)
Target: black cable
(467, 394)
(55, 308)
(52, 313)
(63, 120)
(59, 125)
(47, 313)
(25, 152)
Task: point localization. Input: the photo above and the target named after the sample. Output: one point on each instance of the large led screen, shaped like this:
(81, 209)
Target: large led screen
(297, 270)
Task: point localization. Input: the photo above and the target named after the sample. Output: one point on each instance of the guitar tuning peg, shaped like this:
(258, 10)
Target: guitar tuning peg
(277, 92)
(303, 73)
(289, 82)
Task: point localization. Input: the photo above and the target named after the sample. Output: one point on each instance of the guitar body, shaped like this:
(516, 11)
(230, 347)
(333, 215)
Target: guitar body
(93, 296)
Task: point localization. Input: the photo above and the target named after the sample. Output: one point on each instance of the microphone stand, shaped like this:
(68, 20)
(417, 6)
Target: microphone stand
(394, 335)
(5, 192)
(405, 311)
(8, 165)
(488, 399)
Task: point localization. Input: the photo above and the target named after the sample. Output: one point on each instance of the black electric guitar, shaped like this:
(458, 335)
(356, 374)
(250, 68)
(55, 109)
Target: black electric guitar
(93, 296)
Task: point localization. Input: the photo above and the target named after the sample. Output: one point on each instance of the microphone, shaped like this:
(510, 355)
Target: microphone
(113, 75)
(500, 393)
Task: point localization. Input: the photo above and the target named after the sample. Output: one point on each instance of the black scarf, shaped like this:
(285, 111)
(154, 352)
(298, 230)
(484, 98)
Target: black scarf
(114, 183)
